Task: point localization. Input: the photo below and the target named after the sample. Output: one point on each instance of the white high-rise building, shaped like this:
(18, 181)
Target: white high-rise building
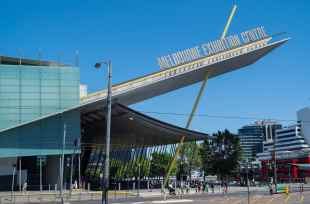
(292, 139)
(303, 117)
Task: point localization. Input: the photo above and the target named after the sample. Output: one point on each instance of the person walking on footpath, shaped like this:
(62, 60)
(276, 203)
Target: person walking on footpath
(212, 187)
(225, 188)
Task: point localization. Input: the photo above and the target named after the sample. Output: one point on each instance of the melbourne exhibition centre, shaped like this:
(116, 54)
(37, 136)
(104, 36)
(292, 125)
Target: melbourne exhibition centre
(45, 112)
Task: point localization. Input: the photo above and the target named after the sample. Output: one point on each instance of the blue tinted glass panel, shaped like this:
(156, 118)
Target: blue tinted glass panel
(28, 92)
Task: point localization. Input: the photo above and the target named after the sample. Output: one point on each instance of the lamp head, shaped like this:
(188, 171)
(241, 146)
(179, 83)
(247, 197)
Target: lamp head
(98, 65)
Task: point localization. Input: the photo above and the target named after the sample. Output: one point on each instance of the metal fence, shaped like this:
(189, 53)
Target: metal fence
(55, 197)
(234, 194)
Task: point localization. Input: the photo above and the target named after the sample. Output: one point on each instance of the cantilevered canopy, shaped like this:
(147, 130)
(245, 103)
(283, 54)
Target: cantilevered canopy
(131, 128)
(164, 81)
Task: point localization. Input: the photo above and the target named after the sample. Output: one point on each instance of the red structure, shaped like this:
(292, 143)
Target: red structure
(286, 169)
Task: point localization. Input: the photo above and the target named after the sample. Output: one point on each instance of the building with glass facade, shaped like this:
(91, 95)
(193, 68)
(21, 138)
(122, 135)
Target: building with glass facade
(28, 91)
(40, 108)
(252, 137)
(42, 116)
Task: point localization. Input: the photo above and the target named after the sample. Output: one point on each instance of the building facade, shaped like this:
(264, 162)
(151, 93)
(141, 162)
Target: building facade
(303, 117)
(254, 136)
(251, 138)
(30, 91)
(292, 147)
(290, 138)
(42, 116)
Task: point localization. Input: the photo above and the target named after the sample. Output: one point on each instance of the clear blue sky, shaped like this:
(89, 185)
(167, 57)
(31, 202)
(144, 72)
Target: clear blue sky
(133, 33)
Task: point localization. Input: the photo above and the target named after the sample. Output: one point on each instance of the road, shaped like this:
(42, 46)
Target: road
(236, 195)
(233, 198)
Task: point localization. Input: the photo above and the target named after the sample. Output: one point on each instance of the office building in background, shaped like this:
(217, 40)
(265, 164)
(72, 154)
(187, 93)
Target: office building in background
(292, 147)
(254, 136)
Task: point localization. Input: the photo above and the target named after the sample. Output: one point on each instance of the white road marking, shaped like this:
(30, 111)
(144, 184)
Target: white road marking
(172, 201)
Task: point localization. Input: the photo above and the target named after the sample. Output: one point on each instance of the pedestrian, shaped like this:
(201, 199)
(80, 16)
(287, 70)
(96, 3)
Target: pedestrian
(301, 187)
(212, 187)
(75, 184)
(24, 187)
(206, 188)
(221, 187)
(270, 190)
(225, 188)
(151, 186)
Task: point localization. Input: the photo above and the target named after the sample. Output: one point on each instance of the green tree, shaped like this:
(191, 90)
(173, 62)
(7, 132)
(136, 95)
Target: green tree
(189, 159)
(159, 164)
(221, 155)
(207, 155)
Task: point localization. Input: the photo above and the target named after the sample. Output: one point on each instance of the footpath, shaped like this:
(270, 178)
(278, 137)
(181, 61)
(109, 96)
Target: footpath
(78, 195)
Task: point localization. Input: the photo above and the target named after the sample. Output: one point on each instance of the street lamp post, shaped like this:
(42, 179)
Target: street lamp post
(13, 180)
(62, 164)
(275, 164)
(108, 132)
(139, 174)
(40, 173)
(75, 143)
(247, 181)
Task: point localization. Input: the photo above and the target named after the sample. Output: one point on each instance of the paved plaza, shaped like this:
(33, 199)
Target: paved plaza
(235, 195)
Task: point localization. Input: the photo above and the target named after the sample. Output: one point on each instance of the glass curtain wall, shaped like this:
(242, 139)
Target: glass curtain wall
(28, 92)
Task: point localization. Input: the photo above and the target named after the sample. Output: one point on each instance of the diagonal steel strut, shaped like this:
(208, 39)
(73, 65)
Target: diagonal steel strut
(201, 91)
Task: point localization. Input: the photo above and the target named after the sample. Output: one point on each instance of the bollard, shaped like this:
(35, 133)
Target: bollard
(49, 187)
(88, 187)
(175, 184)
(148, 185)
(133, 186)
(55, 188)
(128, 188)
(162, 190)
(286, 190)
(119, 186)
(115, 192)
(80, 195)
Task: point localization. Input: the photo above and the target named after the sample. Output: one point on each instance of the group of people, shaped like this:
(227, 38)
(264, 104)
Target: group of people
(199, 187)
(204, 187)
